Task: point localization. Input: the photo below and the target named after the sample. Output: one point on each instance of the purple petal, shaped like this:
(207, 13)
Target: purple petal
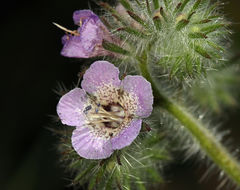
(89, 41)
(142, 89)
(65, 38)
(127, 136)
(100, 73)
(83, 46)
(70, 107)
(82, 15)
(89, 146)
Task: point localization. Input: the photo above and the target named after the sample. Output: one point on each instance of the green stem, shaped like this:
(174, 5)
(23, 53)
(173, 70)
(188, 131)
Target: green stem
(205, 138)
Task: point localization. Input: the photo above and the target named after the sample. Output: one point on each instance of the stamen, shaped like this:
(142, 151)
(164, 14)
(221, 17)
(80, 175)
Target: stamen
(73, 32)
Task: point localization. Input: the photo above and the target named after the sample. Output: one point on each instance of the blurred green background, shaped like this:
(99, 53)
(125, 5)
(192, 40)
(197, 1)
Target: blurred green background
(31, 66)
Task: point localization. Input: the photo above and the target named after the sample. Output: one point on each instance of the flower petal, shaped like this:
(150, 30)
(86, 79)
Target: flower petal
(100, 73)
(83, 46)
(70, 107)
(89, 146)
(142, 89)
(82, 15)
(127, 136)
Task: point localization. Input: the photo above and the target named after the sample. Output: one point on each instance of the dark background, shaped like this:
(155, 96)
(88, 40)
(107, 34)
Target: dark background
(31, 66)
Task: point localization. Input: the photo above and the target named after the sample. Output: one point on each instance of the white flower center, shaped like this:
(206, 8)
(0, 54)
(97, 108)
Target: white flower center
(109, 111)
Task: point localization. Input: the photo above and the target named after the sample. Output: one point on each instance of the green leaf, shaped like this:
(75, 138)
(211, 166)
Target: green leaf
(114, 48)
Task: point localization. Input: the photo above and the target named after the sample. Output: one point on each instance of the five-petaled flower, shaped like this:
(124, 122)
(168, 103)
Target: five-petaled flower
(86, 41)
(106, 112)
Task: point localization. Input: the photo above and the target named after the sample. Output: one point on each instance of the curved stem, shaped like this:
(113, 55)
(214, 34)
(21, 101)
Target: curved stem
(208, 142)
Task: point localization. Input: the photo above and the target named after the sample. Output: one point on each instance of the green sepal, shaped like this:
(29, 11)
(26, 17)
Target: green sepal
(189, 65)
(195, 6)
(156, 4)
(200, 50)
(177, 8)
(175, 68)
(137, 18)
(203, 21)
(137, 1)
(211, 28)
(190, 15)
(215, 46)
(133, 31)
(163, 14)
(96, 178)
(157, 22)
(82, 174)
(181, 24)
(106, 23)
(182, 6)
(114, 13)
(197, 35)
(126, 5)
(154, 175)
(166, 3)
(148, 8)
(114, 48)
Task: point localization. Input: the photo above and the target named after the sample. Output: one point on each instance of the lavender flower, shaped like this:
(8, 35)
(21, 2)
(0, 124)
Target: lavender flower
(106, 112)
(86, 41)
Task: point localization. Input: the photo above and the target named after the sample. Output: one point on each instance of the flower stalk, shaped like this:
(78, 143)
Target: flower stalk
(208, 142)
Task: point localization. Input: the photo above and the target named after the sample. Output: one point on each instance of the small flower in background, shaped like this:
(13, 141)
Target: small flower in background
(86, 41)
(106, 112)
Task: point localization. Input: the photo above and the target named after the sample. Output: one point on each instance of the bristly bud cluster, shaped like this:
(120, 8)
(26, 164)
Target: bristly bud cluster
(185, 37)
(112, 146)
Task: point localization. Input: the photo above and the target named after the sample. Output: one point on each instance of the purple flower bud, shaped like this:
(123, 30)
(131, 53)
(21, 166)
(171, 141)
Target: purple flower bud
(106, 112)
(86, 41)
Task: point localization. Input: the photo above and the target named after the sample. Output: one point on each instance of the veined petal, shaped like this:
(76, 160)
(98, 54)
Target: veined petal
(141, 88)
(100, 73)
(70, 107)
(127, 136)
(90, 147)
(80, 16)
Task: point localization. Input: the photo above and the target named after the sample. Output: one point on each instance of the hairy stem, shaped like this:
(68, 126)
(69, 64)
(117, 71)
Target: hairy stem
(207, 141)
